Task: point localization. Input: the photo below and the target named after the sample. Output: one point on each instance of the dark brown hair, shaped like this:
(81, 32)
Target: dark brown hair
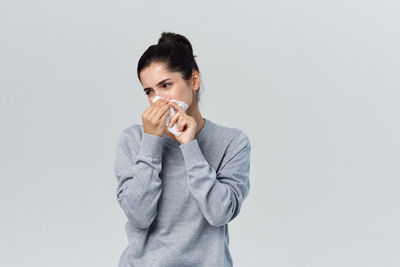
(175, 52)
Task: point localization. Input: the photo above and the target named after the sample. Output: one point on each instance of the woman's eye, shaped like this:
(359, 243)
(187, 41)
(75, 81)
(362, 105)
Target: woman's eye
(149, 90)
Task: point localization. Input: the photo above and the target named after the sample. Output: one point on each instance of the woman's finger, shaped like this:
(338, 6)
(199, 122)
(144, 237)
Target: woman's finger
(162, 109)
(164, 117)
(156, 105)
(176, 106)
(174, 118)
(181, 123)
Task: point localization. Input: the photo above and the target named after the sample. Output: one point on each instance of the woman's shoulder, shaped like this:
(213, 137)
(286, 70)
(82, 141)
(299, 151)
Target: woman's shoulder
(134, 129)
(228, 143)
(229, 135)
(131, 134)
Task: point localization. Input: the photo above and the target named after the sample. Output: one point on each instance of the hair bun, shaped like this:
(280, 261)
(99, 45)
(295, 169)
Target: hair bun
(177, 39)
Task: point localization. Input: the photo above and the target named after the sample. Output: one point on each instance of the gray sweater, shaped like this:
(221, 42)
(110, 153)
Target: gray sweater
(179, 198)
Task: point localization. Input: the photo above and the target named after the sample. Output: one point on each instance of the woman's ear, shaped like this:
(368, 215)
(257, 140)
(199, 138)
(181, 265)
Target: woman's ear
(195, 80)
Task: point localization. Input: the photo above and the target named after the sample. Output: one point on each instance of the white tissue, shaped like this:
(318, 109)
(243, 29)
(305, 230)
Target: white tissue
(174, 128)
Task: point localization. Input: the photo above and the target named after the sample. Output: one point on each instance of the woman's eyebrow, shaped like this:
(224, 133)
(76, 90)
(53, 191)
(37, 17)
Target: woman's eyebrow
(157, 83)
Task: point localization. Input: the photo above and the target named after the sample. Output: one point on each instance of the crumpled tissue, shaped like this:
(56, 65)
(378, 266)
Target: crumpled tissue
(174, 128)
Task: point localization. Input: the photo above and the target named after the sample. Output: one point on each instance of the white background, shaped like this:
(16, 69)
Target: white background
(314, 84)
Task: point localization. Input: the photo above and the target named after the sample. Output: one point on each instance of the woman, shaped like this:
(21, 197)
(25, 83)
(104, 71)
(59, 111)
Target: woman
(178, 192)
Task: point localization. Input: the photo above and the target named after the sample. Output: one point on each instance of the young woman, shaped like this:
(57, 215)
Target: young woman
(178, 192)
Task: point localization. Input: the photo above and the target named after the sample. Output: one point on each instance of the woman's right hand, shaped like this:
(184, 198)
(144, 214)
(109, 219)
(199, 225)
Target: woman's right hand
(155, 116)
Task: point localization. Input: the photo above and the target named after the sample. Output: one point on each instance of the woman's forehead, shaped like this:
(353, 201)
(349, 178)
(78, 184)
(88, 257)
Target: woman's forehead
(153, 74)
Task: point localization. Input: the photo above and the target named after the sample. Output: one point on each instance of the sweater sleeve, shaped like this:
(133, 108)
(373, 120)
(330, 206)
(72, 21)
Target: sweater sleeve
(137, 168)
(219, 194)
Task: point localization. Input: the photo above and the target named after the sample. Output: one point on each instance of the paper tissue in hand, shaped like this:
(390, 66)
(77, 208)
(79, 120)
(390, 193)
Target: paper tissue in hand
(174, 128)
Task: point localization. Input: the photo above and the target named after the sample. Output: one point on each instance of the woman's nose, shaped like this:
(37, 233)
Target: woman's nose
(164, 97)
(160, 96)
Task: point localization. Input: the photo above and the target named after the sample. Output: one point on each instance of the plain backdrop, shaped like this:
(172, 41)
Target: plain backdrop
(314, 84)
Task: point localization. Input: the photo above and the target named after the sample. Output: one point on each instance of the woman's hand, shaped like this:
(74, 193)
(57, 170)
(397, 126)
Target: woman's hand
(154, 117)
(185, 123)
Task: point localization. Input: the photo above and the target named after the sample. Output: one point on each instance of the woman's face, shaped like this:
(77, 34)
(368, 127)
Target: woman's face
(157, 80)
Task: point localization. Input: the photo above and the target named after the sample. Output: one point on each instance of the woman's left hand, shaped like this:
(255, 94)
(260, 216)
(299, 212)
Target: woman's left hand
(185, 123)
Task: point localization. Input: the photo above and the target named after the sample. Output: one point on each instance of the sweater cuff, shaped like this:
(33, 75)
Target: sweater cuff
(151, 146)
(191, 153)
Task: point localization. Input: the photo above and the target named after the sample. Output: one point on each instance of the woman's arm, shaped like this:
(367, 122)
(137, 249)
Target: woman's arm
(219, 195)
(137, 168)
